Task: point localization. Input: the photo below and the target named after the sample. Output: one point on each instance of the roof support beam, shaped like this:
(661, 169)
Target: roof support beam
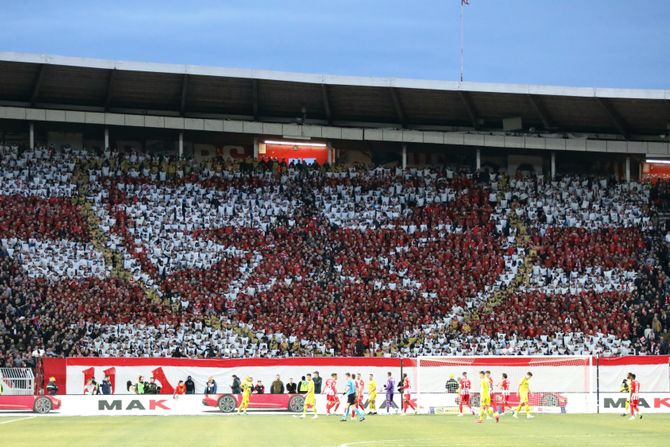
(542, 112)
(355, 131)
(399, 111)
(614, 117)
(470, 108)
(326, 103)
(184, 94)
(254, 98)
(110, 89)
(36, 85)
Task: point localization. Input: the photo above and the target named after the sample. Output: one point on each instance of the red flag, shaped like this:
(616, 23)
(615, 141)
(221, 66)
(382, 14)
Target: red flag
(166, 387)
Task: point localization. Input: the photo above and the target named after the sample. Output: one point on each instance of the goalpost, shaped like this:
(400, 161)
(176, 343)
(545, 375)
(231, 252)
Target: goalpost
(17, 381)
(557, 383)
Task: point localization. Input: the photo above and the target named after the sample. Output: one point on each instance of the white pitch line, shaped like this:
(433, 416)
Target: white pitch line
(372, 442)
(17, 420)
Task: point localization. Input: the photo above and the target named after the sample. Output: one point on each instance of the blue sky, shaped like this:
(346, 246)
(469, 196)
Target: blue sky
(604, 43)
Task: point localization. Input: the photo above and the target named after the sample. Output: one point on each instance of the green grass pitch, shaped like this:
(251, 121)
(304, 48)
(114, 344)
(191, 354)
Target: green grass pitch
(375, 431)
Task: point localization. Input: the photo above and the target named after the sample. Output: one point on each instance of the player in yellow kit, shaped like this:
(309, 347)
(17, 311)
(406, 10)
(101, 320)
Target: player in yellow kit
(524, 391)
(485, 398)
(372, 398)
(625, 388)
(246, 386)
(310, 398)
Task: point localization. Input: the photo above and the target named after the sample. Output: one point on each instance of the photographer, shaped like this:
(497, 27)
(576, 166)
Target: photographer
(106, 386)
(89, 388)
(151, 387)
(96, 386)
(318, 381)
(291, 387)
(235, 388)
(277, 386)
(190, 385)
(210, 387)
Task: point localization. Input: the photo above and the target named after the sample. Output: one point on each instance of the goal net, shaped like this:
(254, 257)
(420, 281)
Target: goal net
(17, 381)
(555, 381)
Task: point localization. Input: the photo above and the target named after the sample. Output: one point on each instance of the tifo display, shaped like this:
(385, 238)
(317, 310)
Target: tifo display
(128, 254)
(200, 255)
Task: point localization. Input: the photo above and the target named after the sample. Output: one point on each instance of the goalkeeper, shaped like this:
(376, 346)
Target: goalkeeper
(371, 404)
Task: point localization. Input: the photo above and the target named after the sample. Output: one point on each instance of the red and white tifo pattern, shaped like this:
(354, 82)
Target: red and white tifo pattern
(282, 263)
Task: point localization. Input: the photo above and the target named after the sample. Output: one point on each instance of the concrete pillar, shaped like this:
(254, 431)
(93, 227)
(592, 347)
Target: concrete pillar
(106, 138)
(478, 161)
(181, 144)
(331, 154)
(627, 169)
(404, 156)
(553, 164)
(32, 135)
(255, 148)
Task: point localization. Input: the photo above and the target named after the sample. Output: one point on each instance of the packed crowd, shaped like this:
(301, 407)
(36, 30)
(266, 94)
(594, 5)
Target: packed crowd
(134, 255)
(572, 201)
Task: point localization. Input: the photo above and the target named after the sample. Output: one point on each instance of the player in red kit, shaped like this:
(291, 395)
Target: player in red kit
(330, 389)
(360, 390)
(489, 377)
(504, 393)
(464, 386)
(407, 398)
(634, 396)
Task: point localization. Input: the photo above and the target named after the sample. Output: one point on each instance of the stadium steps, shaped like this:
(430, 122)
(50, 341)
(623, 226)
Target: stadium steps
(522, 277)
(99, 238)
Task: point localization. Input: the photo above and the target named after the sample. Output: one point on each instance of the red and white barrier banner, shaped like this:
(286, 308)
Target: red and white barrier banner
(566, 373)
(549, 402)
(651, 371)
(163, 405)
(71, 374)
(550, 374)
(154, 405)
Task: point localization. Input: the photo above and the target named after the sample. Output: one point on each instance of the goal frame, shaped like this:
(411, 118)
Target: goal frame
(590, 373)
(17, 381)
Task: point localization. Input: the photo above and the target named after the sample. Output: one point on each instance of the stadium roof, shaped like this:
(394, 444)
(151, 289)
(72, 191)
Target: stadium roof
(198, 91)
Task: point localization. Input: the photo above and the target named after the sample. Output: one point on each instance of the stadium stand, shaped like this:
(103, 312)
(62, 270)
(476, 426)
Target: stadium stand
(110, 254)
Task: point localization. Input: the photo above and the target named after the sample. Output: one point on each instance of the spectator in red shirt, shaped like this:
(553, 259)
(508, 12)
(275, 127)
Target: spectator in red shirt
(179, 390)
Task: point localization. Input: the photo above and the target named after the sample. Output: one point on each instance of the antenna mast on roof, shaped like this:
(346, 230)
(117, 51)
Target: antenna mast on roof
(464, 3)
